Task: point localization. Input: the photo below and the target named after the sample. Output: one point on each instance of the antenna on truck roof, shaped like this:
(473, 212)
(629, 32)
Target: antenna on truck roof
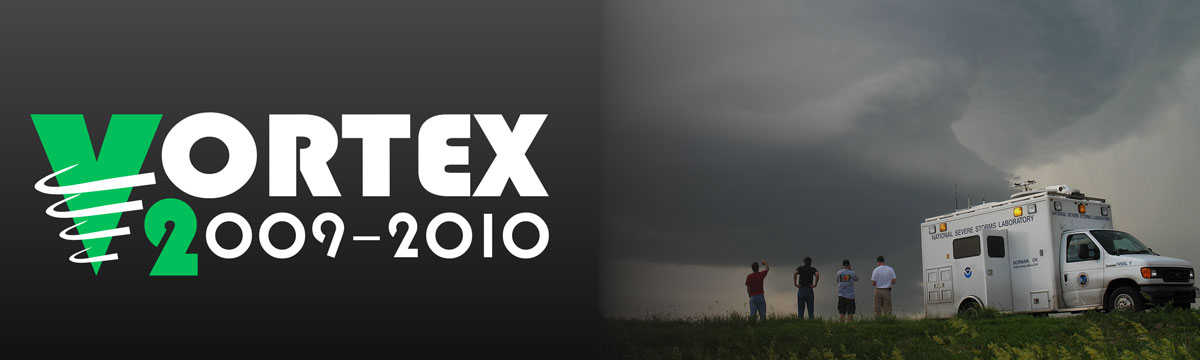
(1024, 186)
(955, 197)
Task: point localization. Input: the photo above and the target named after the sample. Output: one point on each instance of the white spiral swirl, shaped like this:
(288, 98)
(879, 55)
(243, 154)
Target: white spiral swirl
(87, 187)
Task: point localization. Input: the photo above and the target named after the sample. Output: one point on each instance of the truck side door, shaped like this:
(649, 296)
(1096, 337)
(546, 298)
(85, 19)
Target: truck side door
(969, 270)
(1082, 275)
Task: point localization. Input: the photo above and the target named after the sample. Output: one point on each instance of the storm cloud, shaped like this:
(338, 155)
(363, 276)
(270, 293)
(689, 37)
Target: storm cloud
(782, 129)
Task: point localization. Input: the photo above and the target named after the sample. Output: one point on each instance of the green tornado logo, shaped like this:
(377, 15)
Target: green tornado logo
(95, 187)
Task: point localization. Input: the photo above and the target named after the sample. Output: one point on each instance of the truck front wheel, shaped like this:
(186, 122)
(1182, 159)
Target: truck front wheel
(1125, 298)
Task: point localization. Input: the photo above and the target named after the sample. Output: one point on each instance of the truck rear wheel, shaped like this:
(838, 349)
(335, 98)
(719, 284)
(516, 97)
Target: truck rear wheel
(1125, 298)
(969, 307)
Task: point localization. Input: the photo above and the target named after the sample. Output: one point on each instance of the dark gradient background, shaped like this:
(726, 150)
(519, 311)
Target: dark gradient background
(418, 57)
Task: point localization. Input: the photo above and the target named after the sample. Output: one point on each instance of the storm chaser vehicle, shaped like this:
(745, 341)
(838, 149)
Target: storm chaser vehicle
(1041, 251)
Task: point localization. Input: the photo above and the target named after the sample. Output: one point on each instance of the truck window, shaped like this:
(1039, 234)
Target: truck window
(995, 246)
(1119, 242)
(966, 247)
(1079, 246)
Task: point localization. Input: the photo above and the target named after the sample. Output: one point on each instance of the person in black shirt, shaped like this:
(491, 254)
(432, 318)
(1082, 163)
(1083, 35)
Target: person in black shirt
(805, 279)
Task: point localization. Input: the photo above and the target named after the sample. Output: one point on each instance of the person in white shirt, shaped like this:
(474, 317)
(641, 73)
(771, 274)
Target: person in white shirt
(883, 277)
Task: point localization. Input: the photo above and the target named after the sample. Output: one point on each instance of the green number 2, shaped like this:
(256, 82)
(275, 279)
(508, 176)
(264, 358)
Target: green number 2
(174, 259)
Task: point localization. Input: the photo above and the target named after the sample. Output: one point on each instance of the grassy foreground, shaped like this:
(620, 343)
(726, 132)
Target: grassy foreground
(1155, 334)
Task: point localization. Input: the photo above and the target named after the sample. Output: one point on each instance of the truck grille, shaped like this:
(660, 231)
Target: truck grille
(1174, 274)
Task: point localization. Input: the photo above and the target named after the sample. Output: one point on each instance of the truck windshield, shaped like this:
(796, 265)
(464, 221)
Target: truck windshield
(1119, 242)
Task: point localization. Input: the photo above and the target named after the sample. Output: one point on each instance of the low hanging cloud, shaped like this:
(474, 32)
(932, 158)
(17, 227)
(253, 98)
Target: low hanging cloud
(784, 129)
(1148, 178)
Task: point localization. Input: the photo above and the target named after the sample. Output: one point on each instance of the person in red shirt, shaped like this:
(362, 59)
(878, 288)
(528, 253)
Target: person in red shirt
(754, 288)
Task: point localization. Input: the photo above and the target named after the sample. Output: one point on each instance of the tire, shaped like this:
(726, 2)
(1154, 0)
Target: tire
(1125, 298)
(969, 307)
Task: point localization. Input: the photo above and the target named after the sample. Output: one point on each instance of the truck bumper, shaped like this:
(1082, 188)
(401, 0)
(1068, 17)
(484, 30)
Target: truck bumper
(1180, 294)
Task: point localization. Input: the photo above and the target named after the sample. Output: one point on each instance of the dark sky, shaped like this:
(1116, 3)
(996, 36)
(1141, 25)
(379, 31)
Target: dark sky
(782, 129)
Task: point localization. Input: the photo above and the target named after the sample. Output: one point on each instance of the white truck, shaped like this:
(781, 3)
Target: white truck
(1042, 251)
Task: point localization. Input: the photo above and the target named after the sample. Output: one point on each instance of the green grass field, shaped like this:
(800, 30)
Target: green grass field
(1154, 334)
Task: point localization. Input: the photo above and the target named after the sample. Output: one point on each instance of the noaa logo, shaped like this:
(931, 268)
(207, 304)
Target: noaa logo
(967, 272)
(1083, 279)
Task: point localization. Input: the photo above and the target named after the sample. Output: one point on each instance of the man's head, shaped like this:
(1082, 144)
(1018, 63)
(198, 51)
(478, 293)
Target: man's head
(846, 263)
(879, 259)
(754, 266)
(807, 261)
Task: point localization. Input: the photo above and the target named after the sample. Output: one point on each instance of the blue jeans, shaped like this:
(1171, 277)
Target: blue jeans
(804, 296)
(758, 304)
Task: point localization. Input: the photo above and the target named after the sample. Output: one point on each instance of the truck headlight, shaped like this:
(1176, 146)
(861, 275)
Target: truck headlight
(1191, 274)
(1148, 273)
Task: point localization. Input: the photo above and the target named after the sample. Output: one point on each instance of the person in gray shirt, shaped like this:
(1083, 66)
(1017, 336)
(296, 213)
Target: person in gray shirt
(845, 280)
